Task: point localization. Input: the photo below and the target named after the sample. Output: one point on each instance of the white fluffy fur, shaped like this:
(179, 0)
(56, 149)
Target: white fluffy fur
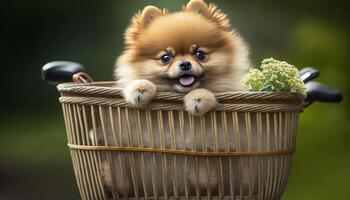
(139, 92)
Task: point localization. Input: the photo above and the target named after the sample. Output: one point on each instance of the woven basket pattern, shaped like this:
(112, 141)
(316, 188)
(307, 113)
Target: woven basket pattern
(241, 150)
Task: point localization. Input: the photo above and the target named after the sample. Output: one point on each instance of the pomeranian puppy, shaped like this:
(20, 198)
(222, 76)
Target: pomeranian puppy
(194, 51)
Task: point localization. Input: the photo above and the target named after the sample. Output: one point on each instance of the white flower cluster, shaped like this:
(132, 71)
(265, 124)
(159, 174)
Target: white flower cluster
(274, 76)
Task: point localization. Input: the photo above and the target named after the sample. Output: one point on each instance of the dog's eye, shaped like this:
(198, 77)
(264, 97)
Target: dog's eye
(200, 55)
(166, 58)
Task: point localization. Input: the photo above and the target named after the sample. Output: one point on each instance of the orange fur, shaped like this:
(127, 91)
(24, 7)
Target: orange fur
(154, 31)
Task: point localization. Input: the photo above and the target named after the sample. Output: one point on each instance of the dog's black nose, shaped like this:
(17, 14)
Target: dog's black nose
(185, 65)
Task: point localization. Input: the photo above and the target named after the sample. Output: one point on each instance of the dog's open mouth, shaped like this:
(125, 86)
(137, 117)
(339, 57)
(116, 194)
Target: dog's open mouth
(187, 80)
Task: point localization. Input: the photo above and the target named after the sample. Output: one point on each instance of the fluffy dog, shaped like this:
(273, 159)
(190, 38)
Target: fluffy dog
(194, 51)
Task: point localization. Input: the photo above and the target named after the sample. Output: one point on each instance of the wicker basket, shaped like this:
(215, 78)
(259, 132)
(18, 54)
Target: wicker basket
(242, 150)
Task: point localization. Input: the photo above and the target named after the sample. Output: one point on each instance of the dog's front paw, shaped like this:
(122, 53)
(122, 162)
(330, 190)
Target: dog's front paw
(139, 92)
(199, 101)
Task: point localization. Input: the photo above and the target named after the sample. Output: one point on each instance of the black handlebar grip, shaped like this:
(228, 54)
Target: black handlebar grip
(60, 71)
(307, 74)
(322, 93)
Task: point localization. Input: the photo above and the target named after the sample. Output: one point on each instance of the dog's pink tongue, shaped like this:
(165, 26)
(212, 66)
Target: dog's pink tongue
(188, 80)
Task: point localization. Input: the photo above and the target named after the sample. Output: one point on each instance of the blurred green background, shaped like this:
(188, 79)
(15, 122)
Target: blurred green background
(34, 159)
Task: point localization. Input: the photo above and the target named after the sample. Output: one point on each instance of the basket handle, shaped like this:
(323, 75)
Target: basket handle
(65, 71)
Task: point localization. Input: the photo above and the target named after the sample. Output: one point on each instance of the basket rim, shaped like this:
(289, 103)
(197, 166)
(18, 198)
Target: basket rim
(109, 89)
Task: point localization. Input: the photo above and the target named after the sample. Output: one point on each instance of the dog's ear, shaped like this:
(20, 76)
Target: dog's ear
(211, 12)
(198, 6)
(148, 14)
(140, 21)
